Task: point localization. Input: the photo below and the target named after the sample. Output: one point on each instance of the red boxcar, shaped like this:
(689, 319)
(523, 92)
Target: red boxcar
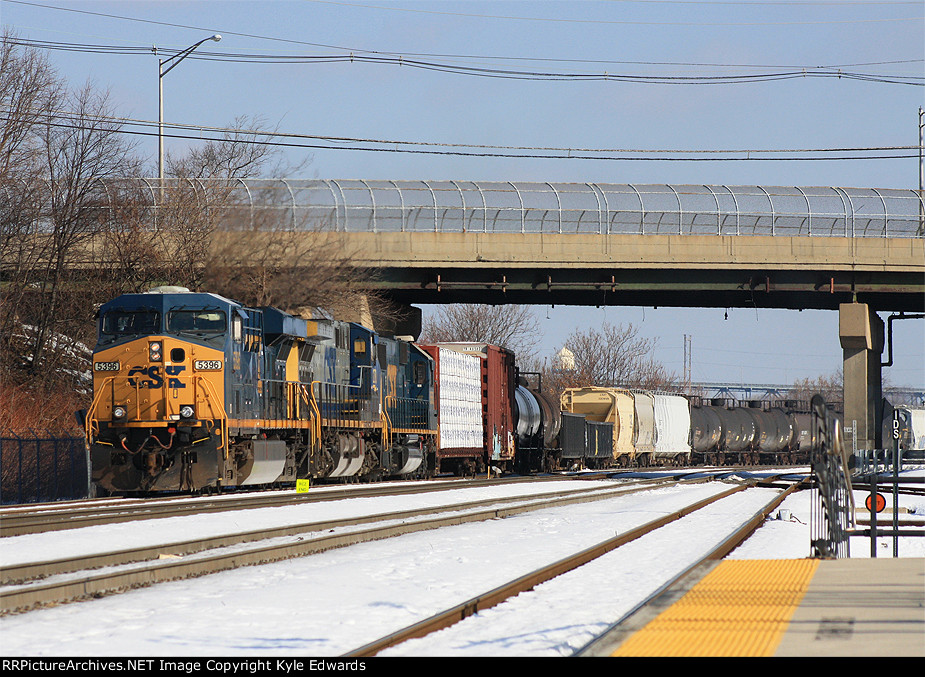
(458, 399)
(498, 386)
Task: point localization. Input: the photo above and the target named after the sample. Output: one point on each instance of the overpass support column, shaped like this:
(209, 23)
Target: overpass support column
(860, 331)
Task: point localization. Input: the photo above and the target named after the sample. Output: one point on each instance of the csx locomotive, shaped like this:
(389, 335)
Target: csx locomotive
(193, 391)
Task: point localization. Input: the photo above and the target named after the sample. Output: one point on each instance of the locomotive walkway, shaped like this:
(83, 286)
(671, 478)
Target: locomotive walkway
(778, 608)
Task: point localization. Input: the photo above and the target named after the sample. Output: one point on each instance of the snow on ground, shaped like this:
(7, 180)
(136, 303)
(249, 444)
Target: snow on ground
(333, 602)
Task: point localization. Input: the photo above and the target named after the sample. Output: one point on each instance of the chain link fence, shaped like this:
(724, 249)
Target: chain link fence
(39, 467)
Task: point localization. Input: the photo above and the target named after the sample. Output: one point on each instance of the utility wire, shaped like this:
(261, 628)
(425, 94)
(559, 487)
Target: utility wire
(539, 154)
(340, 47)
(792, 73)
(237, 131)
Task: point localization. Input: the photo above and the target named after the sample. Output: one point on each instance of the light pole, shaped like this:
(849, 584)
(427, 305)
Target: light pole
(161, 72)
(921, 172)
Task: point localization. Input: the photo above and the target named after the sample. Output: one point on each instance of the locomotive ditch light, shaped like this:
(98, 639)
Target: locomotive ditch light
(118, 412)
(186, 411)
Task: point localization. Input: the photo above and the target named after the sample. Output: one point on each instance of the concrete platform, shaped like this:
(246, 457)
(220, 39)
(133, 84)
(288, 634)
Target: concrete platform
(860, 607)
(843, 608)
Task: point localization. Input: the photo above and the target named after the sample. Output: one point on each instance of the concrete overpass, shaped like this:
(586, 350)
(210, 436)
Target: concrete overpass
(609, 244)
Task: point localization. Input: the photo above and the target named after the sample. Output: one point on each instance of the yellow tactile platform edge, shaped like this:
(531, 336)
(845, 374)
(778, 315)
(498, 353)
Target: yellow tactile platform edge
(741, 608)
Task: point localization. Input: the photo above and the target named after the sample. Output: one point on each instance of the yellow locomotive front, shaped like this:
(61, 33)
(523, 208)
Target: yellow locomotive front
(157, 421)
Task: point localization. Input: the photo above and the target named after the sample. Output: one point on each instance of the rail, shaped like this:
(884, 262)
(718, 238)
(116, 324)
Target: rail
(15, 598)
(529, 581)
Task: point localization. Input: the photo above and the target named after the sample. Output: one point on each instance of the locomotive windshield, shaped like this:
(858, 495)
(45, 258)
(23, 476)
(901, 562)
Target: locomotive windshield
(208, 324)
(131, 322)
(197, 321)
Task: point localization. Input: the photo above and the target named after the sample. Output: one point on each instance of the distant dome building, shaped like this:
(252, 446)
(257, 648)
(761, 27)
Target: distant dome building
(565, 360)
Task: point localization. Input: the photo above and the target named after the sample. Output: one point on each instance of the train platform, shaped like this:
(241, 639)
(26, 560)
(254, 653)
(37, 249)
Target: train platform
(782, 608)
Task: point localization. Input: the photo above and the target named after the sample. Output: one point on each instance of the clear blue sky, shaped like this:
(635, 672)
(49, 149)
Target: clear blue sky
(645, 38)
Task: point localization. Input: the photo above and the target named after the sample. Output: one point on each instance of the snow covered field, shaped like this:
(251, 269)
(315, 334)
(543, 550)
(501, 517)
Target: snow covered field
(330, 603)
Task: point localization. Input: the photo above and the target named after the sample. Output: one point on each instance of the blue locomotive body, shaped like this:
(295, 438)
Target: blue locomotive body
(193, 391)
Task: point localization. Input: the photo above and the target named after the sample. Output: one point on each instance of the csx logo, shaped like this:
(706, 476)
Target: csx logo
(155, 378)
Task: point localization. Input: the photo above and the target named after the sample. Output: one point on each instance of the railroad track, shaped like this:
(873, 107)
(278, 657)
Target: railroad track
(77, 514)
(529, 581)
(37, 584)
(18, 521)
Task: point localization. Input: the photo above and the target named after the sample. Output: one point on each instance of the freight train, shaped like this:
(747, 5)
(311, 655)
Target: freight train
(646, 428)
(195, 392)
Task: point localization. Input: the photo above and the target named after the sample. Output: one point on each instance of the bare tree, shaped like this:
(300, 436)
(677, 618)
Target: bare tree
(81, 151)
(28, 84)
(514, 327)
(243, 152)
(56, 149)
(830, 386)
(247, 244)
(611, 356)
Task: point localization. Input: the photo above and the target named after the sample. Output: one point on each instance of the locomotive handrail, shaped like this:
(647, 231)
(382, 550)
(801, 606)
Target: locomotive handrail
(405, 408)
(309, 396)
(92, 423)
(386, 425)
(221, 408)
(339, 401)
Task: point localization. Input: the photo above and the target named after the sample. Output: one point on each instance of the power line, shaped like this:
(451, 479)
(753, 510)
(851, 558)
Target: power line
(372, 145)
(793, 73)
(365, 51)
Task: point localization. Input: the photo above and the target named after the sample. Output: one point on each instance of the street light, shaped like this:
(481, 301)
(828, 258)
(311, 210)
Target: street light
(176, 58)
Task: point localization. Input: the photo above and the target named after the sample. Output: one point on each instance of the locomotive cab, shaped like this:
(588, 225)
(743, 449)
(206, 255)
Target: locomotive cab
(157, 420)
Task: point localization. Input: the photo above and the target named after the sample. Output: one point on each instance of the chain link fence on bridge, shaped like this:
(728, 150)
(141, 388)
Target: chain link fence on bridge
(39, 467)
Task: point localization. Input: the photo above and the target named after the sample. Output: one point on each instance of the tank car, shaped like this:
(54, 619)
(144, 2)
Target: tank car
(195, 391)
(539, 421)
(774, 432)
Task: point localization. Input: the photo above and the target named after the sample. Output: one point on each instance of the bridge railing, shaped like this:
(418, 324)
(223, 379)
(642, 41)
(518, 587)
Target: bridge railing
(532, 207)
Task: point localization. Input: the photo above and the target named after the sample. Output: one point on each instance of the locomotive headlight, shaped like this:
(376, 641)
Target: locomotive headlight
(118, 412)
(186, 411)
(154, 351)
